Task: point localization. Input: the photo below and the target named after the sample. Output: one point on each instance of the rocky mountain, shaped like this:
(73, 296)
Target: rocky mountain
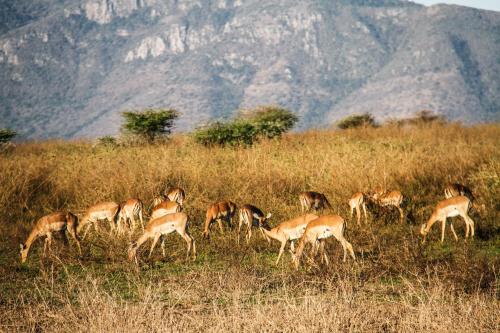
(69, 67)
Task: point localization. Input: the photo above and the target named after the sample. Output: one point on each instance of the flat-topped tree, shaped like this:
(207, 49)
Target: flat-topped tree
(149, 124)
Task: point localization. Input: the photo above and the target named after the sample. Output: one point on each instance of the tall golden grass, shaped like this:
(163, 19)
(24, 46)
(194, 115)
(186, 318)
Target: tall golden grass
(397, 284)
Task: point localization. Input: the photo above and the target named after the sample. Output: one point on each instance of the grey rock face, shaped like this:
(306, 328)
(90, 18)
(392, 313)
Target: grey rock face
(68, 68)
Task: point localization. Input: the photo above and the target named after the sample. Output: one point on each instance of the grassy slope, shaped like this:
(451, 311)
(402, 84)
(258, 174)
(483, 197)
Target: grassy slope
(396, 285)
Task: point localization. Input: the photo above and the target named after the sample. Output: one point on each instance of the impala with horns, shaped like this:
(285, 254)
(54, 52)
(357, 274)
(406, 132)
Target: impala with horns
(356, 202)
(222, 210)
(455, 206)
(164, 208)
(129, 211)
(320, 229)
(388, 199)
(102, 211)
(313, 200)
(176, 194)
(252, 216)
(290, 230)
(160, 228)
(45, 226)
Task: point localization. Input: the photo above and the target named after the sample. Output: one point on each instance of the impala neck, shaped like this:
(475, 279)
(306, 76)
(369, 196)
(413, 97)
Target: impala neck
(270, 233)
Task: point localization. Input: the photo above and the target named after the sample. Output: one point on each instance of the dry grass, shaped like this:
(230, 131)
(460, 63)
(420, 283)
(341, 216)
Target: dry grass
(396, 285)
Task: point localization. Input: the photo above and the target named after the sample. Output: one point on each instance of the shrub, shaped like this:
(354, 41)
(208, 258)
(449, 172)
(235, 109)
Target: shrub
(107, 141)
(355, 121)
(6, 135)
(149, 124)
(265, 121)
(422, 117)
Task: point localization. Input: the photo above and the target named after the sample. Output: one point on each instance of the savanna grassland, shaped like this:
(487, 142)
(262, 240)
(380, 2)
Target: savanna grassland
(396, 284)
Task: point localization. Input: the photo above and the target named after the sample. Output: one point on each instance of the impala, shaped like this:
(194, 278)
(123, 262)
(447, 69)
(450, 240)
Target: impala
(45, 226)
(176, 194)
(251, 215)
(320, 229)
(456, 189)
(357, 202)
(158, 200)
(384, 199)
(290, 230)
(159, 228)
(223, 210)
(455, 206)
(129, 210)
(102, 211)
(313, 200)
(164, 208)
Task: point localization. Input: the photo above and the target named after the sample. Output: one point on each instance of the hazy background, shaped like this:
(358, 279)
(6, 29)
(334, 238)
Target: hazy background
(484, 4)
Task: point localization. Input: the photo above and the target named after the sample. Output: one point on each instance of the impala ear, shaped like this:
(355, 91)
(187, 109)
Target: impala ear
(268, 216)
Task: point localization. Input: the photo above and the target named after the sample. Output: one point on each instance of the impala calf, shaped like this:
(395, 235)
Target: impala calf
(223, 210)
(320, 229)
(357, 202)
(102, 211)
(290, 230)
(45, 226)
(391, 199)
(129, 210)
(159, 228)
(164, 208)
(454, 206)
(313, 200)
(252, 216)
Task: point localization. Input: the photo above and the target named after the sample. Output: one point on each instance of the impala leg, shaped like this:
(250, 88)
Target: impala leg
(64, 237)
(453, 231)
(249, 232)
(73, 234)
(282, 249)
(189, 240)
(443, 226)
(471, 225)
(240, 223)
(163, 246)
(141, 219)
(364, 210)
(401, 214)
(219, 222)
(89, 225)
(358, 215)
(292, 247)
(155, 240)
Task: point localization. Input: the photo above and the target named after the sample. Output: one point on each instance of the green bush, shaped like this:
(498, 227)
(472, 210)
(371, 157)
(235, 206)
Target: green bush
(107, 141)
(267, 121)
(422, 117)
(357, 120)
(149, 124)
(6, 135)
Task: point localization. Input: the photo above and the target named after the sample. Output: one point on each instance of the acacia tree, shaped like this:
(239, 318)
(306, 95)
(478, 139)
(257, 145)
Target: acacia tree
(6, 135)
(149, 124)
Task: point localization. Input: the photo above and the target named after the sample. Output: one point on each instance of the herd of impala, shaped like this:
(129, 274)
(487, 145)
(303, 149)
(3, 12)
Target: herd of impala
(167, 217)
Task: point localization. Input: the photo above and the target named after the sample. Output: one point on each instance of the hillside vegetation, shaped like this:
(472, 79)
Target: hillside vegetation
(396, 284)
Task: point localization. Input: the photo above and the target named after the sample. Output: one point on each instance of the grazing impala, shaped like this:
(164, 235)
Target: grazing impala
(252, 216)
(320, 229)
(55, 222)
(102, 211)
(313, 200)
(159, 228)
(384, 199)
(176, 194)
(164, 208)
(129, 210)
(290, 230)
(223, 210)
(455, 206)
(355, 203)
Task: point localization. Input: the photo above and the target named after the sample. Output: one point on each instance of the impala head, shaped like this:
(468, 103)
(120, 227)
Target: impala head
(24, 253)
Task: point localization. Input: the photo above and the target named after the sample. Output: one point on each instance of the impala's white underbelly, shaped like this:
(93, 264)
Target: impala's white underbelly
(162, 212)
(56, 226)
(453, 213)
(296, 233)
(165, 228)
(101, 215)
(324, 233)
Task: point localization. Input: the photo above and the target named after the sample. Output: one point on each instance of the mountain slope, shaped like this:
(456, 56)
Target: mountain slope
(69, 68)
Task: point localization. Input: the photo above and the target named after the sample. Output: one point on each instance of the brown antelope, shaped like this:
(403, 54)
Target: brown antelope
(357, 202)
(129, 210)
(252, 216)
(313, 200)
(290, 230)
(102, 211)
(164, 208)
(320, 229)
(45, 226)
(159, 228)
(384, 199)
(455, 206)
(176, 194)
(222, 210)
(456, 189)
